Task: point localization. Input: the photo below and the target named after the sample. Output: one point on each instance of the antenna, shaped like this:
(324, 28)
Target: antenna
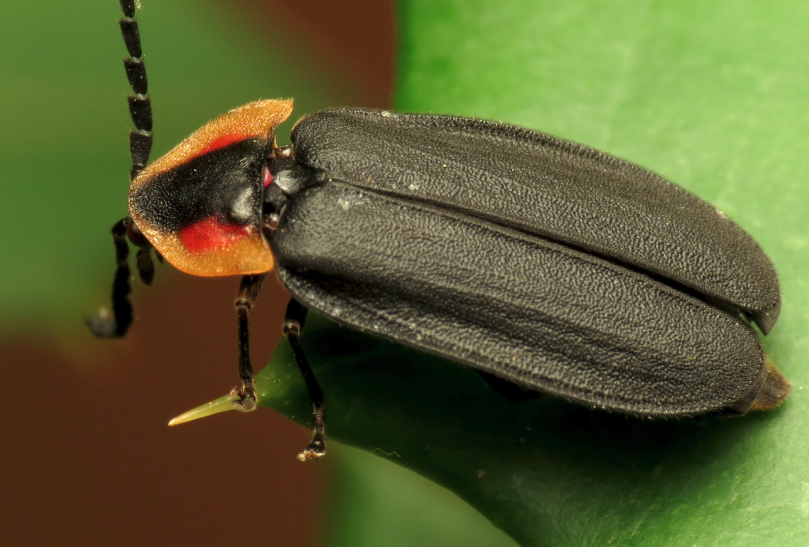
(140, 106)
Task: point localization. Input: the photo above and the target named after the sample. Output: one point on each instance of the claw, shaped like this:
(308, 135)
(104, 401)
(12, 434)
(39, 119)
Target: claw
(103, 325)
(316, 448)
(243, 400)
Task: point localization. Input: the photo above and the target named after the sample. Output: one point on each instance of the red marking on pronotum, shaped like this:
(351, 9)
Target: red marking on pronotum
(221, 142)
(267, 176)
(210, 235)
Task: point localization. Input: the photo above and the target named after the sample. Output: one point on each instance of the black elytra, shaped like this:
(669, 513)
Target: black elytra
(468, 239)
(533, 259)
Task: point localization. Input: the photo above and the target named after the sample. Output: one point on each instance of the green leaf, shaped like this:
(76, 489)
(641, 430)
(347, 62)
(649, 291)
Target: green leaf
(713, 95)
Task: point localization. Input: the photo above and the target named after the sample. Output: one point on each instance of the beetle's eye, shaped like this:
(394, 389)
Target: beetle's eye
(241, 210)
(135, 236)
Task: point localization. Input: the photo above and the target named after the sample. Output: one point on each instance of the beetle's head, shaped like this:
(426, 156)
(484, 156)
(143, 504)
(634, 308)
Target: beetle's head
(200, 205)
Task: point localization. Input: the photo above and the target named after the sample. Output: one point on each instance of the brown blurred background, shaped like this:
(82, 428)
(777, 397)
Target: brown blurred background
(88, 458)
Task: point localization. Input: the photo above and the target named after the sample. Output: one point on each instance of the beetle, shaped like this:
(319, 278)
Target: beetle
(535, 260)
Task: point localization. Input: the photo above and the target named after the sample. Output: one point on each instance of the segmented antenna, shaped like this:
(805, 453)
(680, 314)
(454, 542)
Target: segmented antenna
(140, 107)
(140, 145)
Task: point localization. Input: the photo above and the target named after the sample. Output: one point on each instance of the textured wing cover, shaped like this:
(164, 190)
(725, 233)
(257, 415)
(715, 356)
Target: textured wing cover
(550, 187)
(562, 321)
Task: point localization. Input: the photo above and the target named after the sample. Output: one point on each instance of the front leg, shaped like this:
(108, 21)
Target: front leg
(293, 324)
(244, 399)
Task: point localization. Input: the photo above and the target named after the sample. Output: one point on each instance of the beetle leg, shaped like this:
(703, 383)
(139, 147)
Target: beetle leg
(145, 265)
(293, 324)
(244, 399)
(103, 326)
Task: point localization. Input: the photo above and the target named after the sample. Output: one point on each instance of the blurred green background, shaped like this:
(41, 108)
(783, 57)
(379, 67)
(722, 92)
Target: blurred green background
(712, 95)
